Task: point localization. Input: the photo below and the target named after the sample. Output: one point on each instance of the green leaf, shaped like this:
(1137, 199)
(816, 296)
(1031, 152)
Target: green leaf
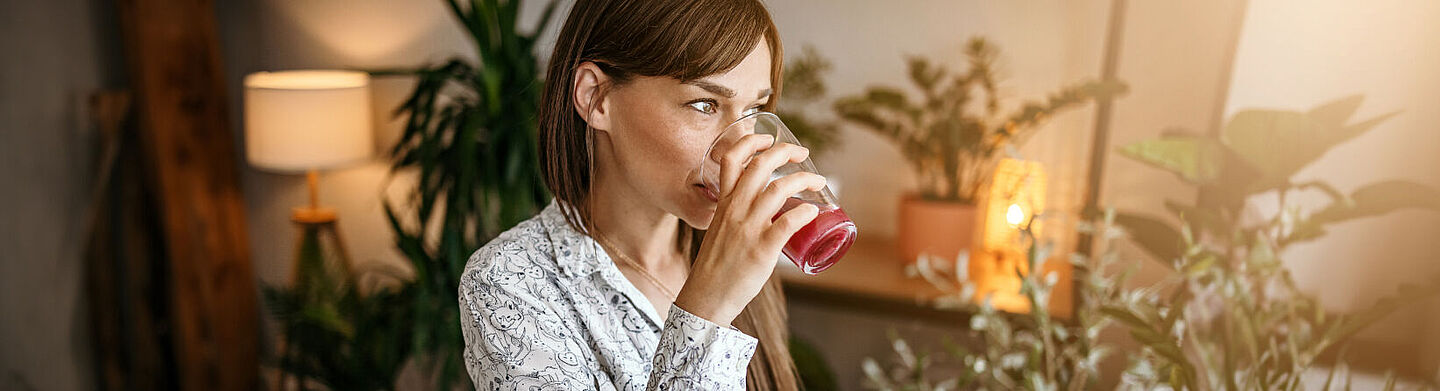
(804, 77)
(1279, 143)
(1161, 345)
(1305, 231)
(1333, 117)
(1337, 111)
(1378, 199)
(1156, 237)
(1276, 142)
(1341, 330)
(1124, 316)
(1335, 194)
(1208, 220)
(1195, 159)
(861, 111)
(1262, 254)
(891, 99)
(924, 75)
(328, 318)
(1345, 133)
(818, 137)
(1200, 267)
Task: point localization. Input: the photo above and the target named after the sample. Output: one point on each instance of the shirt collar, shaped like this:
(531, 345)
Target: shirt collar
(579, 255)
(576, 253)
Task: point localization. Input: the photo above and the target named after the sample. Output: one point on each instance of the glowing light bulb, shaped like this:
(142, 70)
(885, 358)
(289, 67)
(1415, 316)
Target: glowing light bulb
(1014, 215)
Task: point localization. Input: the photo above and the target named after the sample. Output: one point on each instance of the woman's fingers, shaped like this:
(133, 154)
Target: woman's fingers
(757, 174)
(788, 223)
(778, 192)
(735, 157)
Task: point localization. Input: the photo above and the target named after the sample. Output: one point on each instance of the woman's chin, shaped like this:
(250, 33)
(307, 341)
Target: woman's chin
(700, 219)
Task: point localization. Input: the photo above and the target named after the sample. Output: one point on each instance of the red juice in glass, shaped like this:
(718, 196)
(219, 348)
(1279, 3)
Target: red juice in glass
(818, 245)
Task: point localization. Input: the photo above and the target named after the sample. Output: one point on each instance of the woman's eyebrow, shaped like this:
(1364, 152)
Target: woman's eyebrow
(722, 90)
(713, 88)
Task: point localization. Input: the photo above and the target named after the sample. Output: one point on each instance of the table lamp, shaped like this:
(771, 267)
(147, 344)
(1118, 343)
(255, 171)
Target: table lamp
(1016, 194)
(306, 121)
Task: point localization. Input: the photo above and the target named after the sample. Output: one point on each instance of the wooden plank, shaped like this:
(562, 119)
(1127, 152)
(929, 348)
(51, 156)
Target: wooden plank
(124, 269)
(173, 58)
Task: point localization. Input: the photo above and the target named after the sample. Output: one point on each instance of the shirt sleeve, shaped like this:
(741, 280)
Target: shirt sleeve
(697, 354)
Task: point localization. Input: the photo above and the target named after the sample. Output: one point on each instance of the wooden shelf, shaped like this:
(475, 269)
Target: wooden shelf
(871, 278)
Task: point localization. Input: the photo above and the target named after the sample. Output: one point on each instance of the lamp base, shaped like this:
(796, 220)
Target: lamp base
(320, 235)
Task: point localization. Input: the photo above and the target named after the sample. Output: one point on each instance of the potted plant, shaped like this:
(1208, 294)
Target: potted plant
(470, 136)
(335, 334)
(953, 138)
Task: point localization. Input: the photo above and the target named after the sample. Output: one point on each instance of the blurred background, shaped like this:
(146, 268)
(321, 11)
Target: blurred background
(1087, 194)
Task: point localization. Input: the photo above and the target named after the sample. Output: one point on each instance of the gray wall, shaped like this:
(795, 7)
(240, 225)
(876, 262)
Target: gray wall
(55, 53)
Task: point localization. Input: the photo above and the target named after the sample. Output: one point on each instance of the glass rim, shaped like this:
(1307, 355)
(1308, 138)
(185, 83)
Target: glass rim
(726, 130)
(775, 138)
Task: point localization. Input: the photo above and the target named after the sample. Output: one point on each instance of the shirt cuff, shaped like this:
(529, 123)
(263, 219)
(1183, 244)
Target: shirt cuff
(701, 351)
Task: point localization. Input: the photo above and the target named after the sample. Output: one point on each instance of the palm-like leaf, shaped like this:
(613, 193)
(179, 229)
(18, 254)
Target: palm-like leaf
(470, 138)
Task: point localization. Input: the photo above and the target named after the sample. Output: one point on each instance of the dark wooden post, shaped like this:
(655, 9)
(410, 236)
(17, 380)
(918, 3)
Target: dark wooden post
(173, 56)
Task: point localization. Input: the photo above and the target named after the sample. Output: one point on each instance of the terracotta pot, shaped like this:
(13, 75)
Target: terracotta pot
(936, 228)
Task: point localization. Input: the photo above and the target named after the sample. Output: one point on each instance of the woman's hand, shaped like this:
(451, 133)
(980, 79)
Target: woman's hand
(745, 236)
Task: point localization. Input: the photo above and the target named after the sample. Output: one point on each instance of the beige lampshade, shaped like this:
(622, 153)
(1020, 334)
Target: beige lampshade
(311, 119)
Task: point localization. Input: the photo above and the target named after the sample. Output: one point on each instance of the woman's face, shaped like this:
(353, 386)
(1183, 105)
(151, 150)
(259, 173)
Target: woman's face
(660, 128)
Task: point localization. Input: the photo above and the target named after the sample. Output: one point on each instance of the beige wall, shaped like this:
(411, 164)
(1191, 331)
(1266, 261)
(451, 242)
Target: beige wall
(1386, 51)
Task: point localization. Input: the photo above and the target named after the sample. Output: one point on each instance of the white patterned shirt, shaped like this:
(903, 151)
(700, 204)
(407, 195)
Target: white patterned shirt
(542, 306)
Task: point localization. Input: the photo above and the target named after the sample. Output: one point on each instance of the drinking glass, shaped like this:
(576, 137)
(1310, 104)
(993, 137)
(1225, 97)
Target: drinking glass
(817, 245)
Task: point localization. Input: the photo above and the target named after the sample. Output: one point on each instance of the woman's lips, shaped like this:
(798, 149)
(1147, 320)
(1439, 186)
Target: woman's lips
(705, 191)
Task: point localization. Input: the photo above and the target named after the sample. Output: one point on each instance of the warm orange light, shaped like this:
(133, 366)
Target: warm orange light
(1016, 193)
(1015, 215)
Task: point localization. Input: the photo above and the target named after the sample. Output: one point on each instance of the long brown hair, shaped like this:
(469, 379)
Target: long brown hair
(681, 39)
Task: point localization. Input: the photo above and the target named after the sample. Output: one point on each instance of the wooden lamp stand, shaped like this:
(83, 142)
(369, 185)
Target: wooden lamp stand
(317, 223)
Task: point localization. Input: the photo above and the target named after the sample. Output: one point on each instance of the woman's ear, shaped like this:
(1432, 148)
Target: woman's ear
(590, 95)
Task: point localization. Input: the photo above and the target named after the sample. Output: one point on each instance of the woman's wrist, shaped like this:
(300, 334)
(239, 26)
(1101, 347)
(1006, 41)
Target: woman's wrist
(710, 307)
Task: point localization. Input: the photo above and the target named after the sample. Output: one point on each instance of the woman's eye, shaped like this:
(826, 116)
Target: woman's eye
(751, 110)
(706, 107)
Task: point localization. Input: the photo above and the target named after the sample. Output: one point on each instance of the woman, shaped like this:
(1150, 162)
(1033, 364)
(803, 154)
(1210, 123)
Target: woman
(607, 288)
